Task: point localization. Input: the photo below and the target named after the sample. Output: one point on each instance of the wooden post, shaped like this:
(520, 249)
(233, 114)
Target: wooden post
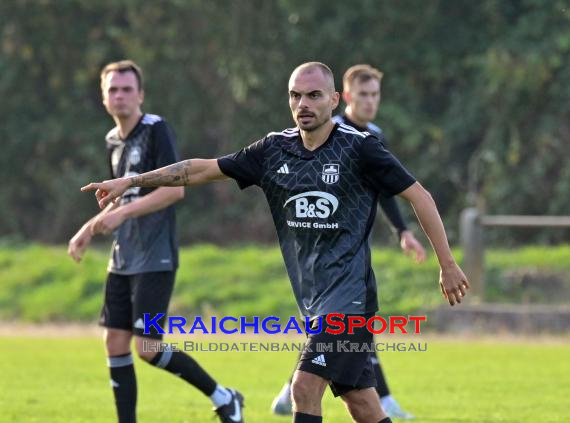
(471, 237)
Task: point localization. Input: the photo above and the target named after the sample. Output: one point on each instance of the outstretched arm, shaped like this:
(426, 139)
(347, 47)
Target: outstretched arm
(186, 172)
(453, 282)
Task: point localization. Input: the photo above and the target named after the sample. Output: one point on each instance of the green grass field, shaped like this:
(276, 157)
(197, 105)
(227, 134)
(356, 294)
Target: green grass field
(47, 379)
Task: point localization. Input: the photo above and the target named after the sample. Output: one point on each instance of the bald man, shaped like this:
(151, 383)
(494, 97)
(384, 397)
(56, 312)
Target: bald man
(361, 93)
(322, 181)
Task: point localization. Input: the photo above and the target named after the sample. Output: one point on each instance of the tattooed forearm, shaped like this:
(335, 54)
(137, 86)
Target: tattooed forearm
(175, 175)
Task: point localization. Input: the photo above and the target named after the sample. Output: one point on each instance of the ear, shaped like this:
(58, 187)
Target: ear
(335, 100)
(141, 97)
(346, 96)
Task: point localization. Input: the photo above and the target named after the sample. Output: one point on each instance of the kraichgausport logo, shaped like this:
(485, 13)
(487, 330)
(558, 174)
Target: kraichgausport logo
(272, 325)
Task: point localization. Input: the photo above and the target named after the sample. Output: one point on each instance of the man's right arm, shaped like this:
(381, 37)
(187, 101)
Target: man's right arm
(186, 172)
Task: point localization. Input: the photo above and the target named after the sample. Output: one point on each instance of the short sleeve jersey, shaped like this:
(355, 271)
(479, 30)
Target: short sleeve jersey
(145, 243)
(323, 204)
(389, 205)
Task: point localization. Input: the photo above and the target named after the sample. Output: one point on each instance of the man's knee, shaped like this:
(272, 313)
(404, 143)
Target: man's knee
(300, 392)
(117, 341)
(307, 390)
(363, 405)
(146, 348)
(358, 410)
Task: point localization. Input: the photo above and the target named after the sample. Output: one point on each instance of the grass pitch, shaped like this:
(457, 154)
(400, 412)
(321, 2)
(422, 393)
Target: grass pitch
(48, 379)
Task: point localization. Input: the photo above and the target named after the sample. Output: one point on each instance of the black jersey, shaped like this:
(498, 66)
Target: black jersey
(323, 204)
(145, 243)
(388, 204)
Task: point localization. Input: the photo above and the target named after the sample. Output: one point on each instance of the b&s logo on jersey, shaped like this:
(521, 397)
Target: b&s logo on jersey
(313, 205)
(331, 174)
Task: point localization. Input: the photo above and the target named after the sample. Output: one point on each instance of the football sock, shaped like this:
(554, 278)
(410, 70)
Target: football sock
(381, 384)
(221, 396)
(180, 364)
(306, 418)
(124, 383)
(386, 420)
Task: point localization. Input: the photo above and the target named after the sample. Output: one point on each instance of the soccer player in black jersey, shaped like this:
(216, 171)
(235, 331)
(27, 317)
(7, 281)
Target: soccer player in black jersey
(321, 181)
(361, 93)
(144, 256)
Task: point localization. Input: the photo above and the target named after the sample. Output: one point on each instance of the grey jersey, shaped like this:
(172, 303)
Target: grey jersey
(146, 243)
(323, 204)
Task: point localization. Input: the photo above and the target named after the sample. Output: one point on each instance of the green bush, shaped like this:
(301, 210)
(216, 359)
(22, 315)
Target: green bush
(42, 284)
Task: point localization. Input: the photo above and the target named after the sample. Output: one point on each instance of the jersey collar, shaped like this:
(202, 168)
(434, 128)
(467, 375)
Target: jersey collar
(294, 145)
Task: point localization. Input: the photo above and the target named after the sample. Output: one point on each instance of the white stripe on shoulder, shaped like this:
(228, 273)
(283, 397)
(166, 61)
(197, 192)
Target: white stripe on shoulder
(289, 133)
(374, 128)
(149, 119)
(350, 130)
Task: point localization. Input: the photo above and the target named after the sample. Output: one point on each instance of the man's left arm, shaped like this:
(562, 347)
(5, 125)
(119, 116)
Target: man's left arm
(452, 281)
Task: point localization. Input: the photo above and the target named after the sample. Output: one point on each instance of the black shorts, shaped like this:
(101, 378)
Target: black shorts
(345, 370)
(128, 297)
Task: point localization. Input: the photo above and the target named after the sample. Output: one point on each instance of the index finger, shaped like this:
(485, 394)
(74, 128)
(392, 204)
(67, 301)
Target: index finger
(91, 187)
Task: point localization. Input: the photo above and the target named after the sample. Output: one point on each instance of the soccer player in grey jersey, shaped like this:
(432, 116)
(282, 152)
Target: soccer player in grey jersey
(321, 181)
(361, 93)
(144, 257)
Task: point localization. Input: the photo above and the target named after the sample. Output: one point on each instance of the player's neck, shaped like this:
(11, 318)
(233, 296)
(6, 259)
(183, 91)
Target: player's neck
(126, 125)
(314, 139)
(350, 115)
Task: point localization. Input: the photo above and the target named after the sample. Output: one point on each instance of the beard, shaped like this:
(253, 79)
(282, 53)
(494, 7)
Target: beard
(310, 127)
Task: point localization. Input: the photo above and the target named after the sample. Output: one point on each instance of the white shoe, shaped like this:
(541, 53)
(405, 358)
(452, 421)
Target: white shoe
(393, 409)
(282, 405)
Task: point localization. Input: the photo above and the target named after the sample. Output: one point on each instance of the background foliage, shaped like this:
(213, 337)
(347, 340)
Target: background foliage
(475, 96)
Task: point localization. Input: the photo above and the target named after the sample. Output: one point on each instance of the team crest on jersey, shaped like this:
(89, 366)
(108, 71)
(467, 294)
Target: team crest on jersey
(135, 156)
(331, 173)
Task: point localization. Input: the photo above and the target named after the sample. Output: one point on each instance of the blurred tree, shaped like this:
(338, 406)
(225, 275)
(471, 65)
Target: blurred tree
(480, 86)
